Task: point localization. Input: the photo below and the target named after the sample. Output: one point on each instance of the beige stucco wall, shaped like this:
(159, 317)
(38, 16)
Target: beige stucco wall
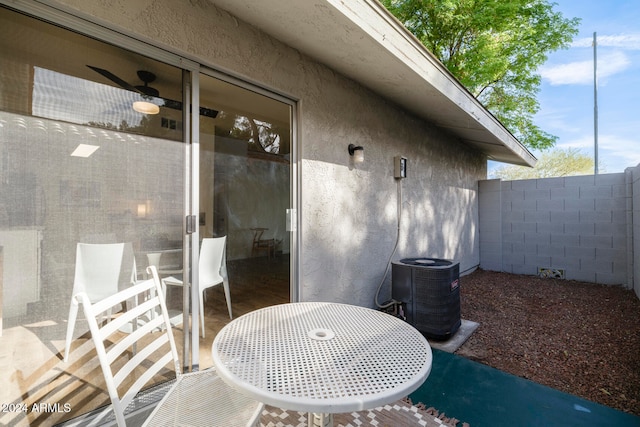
(347, 213)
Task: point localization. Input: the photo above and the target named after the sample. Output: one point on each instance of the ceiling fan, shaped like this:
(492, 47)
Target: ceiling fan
(148, 77)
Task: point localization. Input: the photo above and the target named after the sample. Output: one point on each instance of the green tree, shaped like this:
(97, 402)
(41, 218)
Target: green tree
(494, 47)
(555, 163)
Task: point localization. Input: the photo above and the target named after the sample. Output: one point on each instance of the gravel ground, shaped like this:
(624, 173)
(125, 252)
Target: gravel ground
(580, 338)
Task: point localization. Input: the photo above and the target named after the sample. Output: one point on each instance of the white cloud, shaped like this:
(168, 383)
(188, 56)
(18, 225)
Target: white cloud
(581, 72)
(622, 41)
(560, 120)
(627, 151)
(615, 153)
(583, 143)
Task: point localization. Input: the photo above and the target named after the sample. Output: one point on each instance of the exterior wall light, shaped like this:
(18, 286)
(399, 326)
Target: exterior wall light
(142, 210)
(357, 151)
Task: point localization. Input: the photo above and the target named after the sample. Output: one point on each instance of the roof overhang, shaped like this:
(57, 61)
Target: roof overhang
(362, 40)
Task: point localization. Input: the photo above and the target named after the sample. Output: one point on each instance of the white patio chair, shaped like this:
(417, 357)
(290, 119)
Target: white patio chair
(195, 399)
(155, 259)
(101, 270)
(212, 271)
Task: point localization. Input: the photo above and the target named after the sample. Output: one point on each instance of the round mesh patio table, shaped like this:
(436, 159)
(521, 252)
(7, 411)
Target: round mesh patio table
(322, 358)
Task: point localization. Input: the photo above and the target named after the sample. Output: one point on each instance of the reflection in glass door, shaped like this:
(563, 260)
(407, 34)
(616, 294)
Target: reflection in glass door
(81, 161)
(245, 181)
(94, 149)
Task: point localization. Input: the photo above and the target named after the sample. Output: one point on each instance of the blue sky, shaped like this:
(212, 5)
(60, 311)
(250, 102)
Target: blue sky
(567, 91)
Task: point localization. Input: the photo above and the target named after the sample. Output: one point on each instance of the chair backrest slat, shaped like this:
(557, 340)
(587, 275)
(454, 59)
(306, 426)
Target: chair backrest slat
(149, 373)
(121, 346)
(140, 357)
(145, 326)
(122, 296)
(126, 319)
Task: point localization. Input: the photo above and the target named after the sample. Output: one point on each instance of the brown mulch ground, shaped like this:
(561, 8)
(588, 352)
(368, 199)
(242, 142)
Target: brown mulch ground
(580, 338)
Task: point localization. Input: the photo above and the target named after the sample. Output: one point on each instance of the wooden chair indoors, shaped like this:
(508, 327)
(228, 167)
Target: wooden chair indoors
(260, 244)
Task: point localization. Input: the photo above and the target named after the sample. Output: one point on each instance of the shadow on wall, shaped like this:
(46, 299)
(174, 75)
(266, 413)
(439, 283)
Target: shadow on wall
(351, 232)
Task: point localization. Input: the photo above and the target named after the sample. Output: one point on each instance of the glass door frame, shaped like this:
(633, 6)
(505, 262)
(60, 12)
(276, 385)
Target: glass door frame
(194, 177)
(192, 208)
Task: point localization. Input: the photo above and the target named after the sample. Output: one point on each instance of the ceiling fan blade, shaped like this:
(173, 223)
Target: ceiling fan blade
(169, 103)
(208, 112)
(177, 105)
(117, 80)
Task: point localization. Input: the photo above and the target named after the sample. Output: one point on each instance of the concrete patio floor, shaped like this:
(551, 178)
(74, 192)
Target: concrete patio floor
(463, 333)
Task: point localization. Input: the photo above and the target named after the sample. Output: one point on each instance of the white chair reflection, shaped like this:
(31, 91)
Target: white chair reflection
(195, 399)
(156, 259)
(212, 271)
(101, 270)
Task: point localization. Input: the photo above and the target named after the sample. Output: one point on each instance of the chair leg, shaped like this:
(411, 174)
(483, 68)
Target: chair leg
(71, 322)
(227, 295)
(202, 312)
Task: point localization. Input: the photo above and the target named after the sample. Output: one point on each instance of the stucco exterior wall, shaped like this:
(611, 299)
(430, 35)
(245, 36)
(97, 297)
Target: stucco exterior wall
(348, 213)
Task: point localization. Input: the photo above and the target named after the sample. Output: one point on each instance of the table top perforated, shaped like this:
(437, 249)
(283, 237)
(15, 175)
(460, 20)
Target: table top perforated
(322, 357)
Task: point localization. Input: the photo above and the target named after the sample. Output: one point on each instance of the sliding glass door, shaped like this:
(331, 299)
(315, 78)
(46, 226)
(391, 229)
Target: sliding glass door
(92, 151)
(96, 148)
(244, 195)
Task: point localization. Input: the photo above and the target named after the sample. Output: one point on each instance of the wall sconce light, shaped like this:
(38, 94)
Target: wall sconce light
(142, 210)
(357, 151)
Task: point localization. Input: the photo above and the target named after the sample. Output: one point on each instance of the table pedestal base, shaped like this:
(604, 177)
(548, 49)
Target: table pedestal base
(320, 420)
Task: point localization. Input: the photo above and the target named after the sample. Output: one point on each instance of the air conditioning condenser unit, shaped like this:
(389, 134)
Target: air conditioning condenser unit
(429, 288)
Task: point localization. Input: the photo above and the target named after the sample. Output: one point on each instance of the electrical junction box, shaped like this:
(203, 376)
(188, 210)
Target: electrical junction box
(399, 167)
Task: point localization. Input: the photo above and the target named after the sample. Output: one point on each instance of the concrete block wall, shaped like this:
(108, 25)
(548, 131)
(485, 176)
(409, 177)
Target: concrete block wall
(490, 223)
(633, 176)
(582, 225)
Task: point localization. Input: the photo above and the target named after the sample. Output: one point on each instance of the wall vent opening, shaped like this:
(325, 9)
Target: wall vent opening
(551, 273)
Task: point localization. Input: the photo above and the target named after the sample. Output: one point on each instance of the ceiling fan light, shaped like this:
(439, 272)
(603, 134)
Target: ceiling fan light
(145, 107)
